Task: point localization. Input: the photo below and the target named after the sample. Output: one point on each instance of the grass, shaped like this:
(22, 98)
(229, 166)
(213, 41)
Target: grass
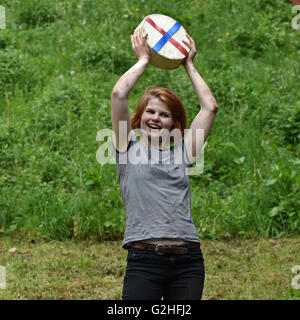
(236, 269)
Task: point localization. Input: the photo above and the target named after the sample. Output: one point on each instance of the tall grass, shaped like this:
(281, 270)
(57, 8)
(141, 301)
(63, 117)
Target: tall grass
(59, 61)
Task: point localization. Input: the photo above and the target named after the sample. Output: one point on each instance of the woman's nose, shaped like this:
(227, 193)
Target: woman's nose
(155, 116)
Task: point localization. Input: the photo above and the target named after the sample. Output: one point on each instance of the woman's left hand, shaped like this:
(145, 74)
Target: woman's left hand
(193, 51)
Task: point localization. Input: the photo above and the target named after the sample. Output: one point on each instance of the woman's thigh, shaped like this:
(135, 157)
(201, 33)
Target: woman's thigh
(186, 280)
(189, 287)
(139, 286)
(143, 280)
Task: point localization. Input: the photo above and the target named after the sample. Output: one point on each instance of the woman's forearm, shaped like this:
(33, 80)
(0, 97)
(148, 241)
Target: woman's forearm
(205, 96)
(129, 79)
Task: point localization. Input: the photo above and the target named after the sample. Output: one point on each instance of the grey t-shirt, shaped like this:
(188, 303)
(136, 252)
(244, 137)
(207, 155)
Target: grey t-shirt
(156, 193)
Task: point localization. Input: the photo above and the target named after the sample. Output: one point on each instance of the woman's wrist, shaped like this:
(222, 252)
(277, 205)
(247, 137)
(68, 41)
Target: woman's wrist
(189, 64)
(144, 59)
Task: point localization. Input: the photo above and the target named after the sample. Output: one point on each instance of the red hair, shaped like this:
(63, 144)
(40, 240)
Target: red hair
(171, 100)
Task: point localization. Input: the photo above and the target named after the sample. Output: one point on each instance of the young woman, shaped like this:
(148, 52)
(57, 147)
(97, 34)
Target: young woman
(164, 256)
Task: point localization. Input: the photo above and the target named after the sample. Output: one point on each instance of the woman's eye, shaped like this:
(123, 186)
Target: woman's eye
(165, 115)
(149, 111)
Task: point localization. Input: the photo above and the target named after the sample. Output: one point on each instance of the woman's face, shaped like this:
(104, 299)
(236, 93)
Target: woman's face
(156, 117)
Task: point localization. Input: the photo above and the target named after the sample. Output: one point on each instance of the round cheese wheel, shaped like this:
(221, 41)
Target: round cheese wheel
(165, 37)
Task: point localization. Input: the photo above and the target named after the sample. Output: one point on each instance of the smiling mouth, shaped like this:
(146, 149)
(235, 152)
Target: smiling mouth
(153, 127)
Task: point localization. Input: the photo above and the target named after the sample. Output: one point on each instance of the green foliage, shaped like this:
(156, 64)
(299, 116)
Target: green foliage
(287, 124)
(97, 54)
(12, 70)
(59, 61)
(34, 13)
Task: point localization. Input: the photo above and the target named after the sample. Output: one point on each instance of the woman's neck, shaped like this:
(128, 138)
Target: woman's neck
(154, 143)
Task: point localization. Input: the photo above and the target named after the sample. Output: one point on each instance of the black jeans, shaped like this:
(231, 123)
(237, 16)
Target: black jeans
(150, 276)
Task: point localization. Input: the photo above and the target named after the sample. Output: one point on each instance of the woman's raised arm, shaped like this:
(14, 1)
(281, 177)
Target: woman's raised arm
(121, 90)
(208, 106)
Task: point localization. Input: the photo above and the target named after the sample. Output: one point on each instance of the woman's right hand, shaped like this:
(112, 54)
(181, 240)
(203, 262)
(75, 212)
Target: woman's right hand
(140, 46)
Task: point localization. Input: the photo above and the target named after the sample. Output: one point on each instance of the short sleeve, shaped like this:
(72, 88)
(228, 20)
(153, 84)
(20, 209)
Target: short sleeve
(180, 155)
(185, 156)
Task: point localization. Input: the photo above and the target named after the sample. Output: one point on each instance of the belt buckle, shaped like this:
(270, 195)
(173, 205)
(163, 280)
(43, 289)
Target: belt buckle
(157, 249)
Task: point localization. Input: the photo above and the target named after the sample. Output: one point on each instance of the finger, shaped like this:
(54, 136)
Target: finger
(192, 44)
(187, 44)
(188, 36)
(135, 36)
(139, 34)
(133, 42)
(190, 39)
(139, 37)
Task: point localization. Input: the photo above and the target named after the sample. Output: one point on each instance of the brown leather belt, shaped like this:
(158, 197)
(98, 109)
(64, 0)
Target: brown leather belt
(161, 249)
